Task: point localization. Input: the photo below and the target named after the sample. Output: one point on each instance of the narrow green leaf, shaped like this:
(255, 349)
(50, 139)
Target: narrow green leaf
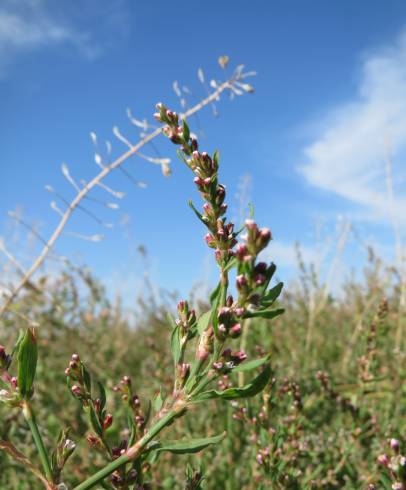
(199, 215)
(250, 365)
(175, 339)
(186, 131)
(102, 395)
(87, 381)
(272, 295)
(203, 321)
(191, 446)
(94, 421)
(215, 293)
(251, 389)
(27, 363)
(269, 314)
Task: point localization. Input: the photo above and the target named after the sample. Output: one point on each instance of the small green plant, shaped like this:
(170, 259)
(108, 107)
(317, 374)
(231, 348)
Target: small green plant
(202, 350)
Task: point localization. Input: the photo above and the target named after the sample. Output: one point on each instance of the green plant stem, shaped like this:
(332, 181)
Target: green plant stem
(39, 443)
(134, 451)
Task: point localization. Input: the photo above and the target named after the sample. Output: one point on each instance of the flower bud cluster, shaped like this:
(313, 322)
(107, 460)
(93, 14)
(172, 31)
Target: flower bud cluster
(124, 387)
(120, 480)
(80, 382)
(230, 320)
(253, 279)
(263, 456)
(76, 373)
(221, 236)
(187, 317)
(10, 396)
(64, 449)
(395, 464)
(229, 360)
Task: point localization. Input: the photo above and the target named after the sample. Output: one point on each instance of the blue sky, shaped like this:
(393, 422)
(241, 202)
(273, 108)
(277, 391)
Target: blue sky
(329, 107)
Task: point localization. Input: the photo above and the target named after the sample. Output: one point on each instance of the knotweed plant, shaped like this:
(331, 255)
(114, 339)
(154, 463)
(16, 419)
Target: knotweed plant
(203, 348)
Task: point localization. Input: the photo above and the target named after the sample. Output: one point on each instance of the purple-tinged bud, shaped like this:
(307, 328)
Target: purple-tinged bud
(67, 371)
(398, 486)
(241, 251)
(259, 279)
(157, 116)
(207, 181)
(218, 255)
(240, 311)
(76, 390)
(209, 238)
(126, 380)
(73, 365)
(235, 330)
(107, 422)
(14, 382)
(2, 351)
(383, 459)
(260, 459)
(266, 236)
(181, 305)
(75, 358)
(239, 357)
(226, 353)
(218, 366)
(261, 267)
(394, 444)
(250, 224)
(206, 207)
(198, 181)
(223, 208)
(241, 281)
(194, 144)
(222, 329)
(229, 301)
(196, 155)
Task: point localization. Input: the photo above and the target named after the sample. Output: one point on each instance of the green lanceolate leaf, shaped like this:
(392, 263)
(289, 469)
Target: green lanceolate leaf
(191, 446)
(251, 389)
(215, 294)
(272, 295)
(102, 395)
(269, 314)
(175, 340)
(186, 131)
(250, 365)
(203, 322)
(199, 215)
(94, 421)
(27, 363)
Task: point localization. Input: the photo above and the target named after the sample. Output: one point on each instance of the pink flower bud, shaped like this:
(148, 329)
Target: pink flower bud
(394, 444)
(107, 422)
(76, 390)
(207, 181)
(383, 459)
(75, 358)
(235, 330)
(241, 281)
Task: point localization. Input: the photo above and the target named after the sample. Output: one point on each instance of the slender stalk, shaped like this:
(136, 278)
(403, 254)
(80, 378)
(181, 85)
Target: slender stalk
(39, 443)
(134, 451)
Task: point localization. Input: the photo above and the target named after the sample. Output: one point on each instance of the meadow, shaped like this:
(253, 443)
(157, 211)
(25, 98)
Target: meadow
(258, 387)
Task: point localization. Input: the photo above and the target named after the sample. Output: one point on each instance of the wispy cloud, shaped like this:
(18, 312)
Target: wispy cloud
(30, 25)
(347, 156)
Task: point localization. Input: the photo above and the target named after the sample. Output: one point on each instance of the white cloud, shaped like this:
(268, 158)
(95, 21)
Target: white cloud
(347, 157)
(29, 25)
